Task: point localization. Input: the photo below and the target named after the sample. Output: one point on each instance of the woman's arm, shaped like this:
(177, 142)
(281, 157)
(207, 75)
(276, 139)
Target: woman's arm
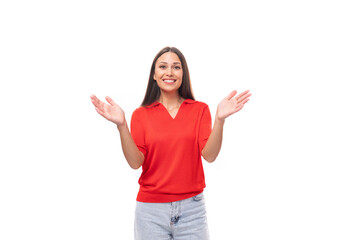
(228, 106)
(115, 114)
(213, 144)
(133, 155)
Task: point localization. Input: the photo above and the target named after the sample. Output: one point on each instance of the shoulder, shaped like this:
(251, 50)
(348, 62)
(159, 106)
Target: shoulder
(142, 111)
(197, 106)
(195, 103)
(138, 112)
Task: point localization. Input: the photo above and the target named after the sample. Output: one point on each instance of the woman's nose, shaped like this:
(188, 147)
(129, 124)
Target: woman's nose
(169, 71)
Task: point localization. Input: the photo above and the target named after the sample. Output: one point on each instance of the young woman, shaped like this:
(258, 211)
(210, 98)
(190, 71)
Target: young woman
(169, 134)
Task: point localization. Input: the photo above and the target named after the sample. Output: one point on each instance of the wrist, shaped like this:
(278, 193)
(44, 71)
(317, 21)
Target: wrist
(219, 120)
(121, 126)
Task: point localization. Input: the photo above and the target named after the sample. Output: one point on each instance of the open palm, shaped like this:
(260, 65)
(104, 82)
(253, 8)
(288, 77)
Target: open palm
(111, 111)
(232, 104)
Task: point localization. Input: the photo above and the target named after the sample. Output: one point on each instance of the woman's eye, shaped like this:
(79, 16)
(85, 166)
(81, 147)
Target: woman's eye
(162, 66)
(177, 67)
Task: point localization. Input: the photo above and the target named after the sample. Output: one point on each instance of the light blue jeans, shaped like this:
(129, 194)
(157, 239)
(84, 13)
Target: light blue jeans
(180, 220)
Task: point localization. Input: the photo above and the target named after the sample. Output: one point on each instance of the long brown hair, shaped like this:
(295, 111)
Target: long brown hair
(153, 91)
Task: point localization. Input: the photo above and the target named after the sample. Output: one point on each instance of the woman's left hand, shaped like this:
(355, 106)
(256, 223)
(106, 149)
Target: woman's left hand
(232, 104)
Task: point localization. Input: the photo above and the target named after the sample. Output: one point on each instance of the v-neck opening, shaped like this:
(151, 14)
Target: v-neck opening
(177, 113)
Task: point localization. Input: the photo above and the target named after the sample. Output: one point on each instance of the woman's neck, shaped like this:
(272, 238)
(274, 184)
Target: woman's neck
(170, 100)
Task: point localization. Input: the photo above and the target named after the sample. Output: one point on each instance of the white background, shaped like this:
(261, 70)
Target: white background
(289, 165)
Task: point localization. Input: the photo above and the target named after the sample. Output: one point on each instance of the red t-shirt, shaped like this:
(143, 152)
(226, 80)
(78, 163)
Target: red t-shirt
(172, 169)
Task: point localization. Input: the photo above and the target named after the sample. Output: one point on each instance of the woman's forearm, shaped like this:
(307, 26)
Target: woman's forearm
(134, 157)
(213, 145)
(228, 106)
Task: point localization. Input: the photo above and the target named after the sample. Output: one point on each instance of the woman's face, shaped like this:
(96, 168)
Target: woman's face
(168, 72)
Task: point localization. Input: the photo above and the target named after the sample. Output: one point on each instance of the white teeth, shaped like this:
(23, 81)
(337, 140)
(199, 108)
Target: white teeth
(169, 81)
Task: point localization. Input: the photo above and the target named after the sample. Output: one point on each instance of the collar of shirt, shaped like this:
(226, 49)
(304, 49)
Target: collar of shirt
(156, 103)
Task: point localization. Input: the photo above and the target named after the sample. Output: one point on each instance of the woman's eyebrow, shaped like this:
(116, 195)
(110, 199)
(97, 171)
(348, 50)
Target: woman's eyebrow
(173, 63)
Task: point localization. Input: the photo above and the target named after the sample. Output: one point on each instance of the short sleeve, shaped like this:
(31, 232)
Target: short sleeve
(137, 131)
(205, 127)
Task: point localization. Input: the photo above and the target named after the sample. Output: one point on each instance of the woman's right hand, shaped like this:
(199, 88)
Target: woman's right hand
(111, 111)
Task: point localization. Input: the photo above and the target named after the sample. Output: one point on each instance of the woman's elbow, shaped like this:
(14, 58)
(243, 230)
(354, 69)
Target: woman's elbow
(208, 158)
(138, 162)
(135, 166)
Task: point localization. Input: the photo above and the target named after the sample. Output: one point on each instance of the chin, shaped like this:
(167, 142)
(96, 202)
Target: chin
(168, 90)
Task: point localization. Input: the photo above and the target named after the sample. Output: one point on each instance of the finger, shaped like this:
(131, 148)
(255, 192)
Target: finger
(242, 94)
(92, 97)
(95, 100)
(99, 111)
(241, 99)
(232, 94)
(239, 107)
(102, 113)
(110, 100)
(242, 103)
(99, 104)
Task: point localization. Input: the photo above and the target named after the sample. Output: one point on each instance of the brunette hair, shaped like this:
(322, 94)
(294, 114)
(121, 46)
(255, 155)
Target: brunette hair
(153, 91)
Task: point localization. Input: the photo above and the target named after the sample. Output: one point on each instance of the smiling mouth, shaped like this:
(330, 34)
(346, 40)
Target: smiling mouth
(169, 80)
